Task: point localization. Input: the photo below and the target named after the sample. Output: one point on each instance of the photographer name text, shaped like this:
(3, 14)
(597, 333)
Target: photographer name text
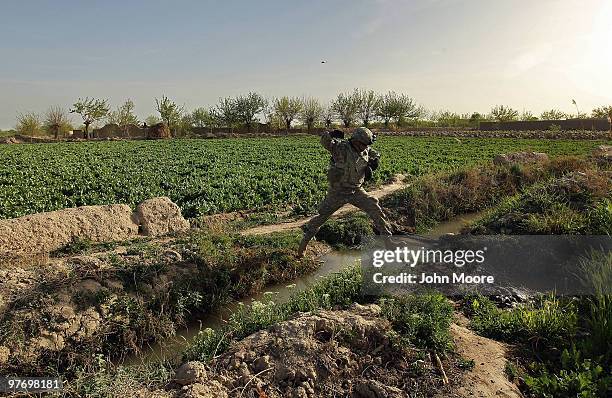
(432, 278)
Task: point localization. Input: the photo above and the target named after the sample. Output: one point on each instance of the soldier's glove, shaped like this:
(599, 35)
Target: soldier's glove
(368, 173)
(373, 159)
(373, 164)
(337, 134)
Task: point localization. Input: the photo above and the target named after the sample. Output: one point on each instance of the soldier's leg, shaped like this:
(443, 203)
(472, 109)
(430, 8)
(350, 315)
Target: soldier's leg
(369, 204)
(330, 204)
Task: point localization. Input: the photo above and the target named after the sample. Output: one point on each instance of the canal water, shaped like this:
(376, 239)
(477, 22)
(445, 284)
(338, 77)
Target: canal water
(172, 347)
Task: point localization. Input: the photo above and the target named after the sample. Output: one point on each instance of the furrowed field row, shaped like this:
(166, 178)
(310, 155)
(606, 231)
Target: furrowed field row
(210, 176)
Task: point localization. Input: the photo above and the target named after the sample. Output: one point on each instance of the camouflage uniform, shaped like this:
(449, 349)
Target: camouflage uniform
(346, 174)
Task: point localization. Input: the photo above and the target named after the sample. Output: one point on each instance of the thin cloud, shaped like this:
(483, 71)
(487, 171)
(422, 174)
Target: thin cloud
(528, 59)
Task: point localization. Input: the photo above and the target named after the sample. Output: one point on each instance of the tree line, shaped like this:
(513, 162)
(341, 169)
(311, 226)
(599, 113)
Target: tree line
(357, 107)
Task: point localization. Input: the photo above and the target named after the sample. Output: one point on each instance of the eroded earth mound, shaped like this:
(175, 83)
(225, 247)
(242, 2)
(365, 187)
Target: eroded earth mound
(47, 232)
(351, 353)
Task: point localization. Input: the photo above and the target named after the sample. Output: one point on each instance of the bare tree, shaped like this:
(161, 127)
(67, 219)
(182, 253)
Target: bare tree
(389, 107)
(271, 118)
(328, 116)
(311, 112)
(346, 105)
(369, 102)
(407, 108)
(446, 118)
(56, 120)
(224, 113)
(527, 116)
(287, 109)
(247, 107)
(169, 111)
(28, 124)
(503, 113)
(201, 117)
(553, 114)
(152, 120)
(184, 125)
(91, 111)
(477, 117)
(124, 116)
(604, 112)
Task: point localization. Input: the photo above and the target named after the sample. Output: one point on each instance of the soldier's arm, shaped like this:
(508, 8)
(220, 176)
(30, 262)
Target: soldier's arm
(374, 159)
(327, 141)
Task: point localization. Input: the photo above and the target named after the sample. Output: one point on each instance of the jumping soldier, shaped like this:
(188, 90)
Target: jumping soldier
(352, 162)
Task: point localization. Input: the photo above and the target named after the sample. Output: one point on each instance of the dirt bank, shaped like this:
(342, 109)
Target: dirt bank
(47, 232)
(575, 203)
(350, 353)
(526, 134)
(487, 378)
(71, 310)
(412, 132)
(345, 353)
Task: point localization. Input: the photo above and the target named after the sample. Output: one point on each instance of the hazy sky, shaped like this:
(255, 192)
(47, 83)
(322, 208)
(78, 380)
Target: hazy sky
(448, 54)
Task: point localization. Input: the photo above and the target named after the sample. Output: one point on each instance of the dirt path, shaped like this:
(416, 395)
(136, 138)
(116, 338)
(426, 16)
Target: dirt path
(395, 185)
(487, 378)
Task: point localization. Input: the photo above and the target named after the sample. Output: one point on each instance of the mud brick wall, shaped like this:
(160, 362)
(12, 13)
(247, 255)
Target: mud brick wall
(570, 124)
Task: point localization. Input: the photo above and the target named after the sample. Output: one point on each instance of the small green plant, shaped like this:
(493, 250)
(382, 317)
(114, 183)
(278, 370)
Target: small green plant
(577, 378)
(286, 240)
(422, 320)
(350, 231)
(466, 364)
(339, 289)
(544, 324)
(559, 219)
(599, 217)
(512, 371)
(143, 248)
(597, 269)
(118, 381)
(573, 354)
(76, 246)
(576, 203)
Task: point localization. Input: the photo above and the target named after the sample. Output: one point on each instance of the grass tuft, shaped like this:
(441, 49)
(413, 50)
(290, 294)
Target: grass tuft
(348, 232)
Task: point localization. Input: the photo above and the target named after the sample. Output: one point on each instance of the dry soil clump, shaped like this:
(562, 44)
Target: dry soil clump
(349, 353)
(51, 231)
(160, 216)
(46, 232)
(520, 158)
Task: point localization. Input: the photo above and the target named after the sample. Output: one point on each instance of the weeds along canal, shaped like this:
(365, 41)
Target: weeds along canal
(172, 348)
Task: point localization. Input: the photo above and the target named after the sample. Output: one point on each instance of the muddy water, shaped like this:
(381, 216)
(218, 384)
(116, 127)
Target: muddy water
(173, 347)
(454, 225)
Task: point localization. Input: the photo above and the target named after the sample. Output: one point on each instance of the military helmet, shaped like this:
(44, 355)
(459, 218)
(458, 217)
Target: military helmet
(363, 135)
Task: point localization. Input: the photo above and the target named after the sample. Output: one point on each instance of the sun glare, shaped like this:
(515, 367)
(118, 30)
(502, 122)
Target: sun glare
(593, 73)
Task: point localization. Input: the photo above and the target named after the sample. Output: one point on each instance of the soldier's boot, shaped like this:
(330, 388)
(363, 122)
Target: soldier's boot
(303, 244)
(330, 204)
(309, 233)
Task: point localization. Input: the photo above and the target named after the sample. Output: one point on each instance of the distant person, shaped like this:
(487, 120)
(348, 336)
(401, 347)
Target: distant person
(352, 162)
